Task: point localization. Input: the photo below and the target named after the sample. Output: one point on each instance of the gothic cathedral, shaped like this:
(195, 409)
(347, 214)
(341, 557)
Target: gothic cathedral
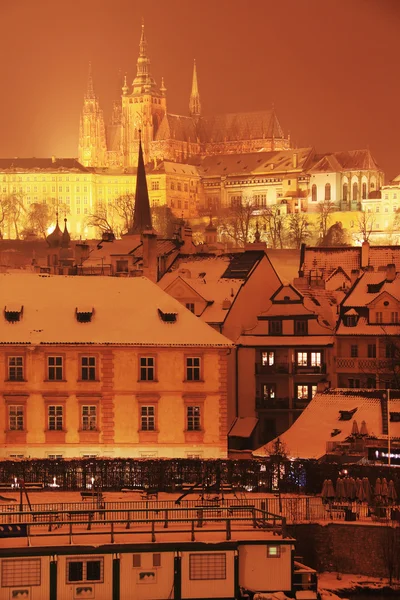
(165, 136)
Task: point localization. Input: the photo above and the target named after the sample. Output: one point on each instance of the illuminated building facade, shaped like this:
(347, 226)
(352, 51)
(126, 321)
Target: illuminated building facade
(166, 136)
(108, 367)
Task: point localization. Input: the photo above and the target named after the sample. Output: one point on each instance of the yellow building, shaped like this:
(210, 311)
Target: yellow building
(108, 367)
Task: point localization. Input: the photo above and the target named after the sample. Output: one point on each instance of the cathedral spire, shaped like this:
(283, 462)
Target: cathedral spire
(142, 213)
(194, 102)
(143, 81)
(90, 89)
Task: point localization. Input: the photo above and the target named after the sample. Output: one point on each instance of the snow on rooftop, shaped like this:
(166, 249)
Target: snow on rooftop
(126, 311)
(322, 418)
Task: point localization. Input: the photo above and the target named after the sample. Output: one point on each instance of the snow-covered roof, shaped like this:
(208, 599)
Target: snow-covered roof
(322, 418)
(363, 327)
(285, 340)
(370, 286)
(127, 311)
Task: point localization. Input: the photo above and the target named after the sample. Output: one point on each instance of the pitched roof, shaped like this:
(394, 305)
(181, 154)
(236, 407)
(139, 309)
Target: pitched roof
(49, 164)
(177, 127)
(322, 417)
(126, 312)
(370, 286)
(345, 161)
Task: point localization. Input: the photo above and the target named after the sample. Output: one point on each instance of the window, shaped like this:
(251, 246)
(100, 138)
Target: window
(16, 368)
(236, 201)
(371, 350)
(55, 417)
(275, 327)
(378, 317)
(18, 572)
(300, 327)
(172, 185)
(157, 560)
(193, 368)
(55, 368)
(273, 551)
(190, 306)
(155, 185)
(371, 383)
(302, 392)
(354, 383)
(147, 368)
(267, 358)
(355, 191)
(314, 193)
(137, 560)
(394, 317)
(327, 192)
(148, 418)
(16, 417)
(208, 565)
(193, 414)
(364, 191)
(390, 351)
(269, 391)
(89, 417)
(302, 359)
(88, 368)
(315, 359)
(85, 570)
(354, 351)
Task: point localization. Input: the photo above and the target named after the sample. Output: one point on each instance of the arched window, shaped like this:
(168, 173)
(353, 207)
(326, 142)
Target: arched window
(345, 191)
(327, 192)
(314, 193)
(364, 191)
(355, 191)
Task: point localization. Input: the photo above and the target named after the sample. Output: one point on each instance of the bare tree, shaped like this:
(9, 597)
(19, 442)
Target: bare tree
(235, 222)
(366, 222)
(39, 218)
(100, 220)
(335, 236)
(14, 209)
(299, 232)
(325, 209)
(164, 221)
(274, 224)
(124, 207)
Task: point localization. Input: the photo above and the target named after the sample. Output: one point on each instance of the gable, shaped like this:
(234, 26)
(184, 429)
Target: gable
(286, 294)
(182, 291)
(383, 301)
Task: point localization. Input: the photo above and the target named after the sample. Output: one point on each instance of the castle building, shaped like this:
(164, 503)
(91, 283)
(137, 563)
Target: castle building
(166, 136)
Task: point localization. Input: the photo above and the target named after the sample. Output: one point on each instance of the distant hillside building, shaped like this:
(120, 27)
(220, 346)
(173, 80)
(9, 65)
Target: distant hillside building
(143, 107)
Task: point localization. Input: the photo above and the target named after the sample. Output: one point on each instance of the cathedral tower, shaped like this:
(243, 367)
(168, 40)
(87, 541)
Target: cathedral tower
(194, 102)
(142, 108)
(92, 136)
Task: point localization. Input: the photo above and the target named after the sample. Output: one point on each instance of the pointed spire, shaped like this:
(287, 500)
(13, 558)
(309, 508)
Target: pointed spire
(66, 238)
(125, 88)
(143, 42)
(142, 213)
(54, 238)
(194, 102)
(90, 90)
(143, 81)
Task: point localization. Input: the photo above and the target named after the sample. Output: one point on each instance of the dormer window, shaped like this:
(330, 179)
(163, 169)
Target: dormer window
(167, 317)
(84, 314)
(350, 319)
(346, 415)
(13, 312)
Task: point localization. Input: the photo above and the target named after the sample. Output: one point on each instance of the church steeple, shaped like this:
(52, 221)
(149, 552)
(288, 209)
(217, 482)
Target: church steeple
(143, 81)
(194, 102)
(90, 95)
(92, 136)
(142, 213)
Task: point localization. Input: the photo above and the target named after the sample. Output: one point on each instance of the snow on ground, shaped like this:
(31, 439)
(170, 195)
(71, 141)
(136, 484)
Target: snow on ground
(330, 583)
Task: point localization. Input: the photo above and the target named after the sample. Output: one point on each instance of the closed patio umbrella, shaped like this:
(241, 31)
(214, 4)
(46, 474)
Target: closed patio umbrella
(392, 494)
(354, 429)
(384, 489)
(351, 488)
(367, 489)
(378, 490)
(360, 493)
(340, 489)
(363, 429)
(330, 490)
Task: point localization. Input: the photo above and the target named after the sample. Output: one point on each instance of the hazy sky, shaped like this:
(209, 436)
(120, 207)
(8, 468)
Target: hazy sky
(331, 67)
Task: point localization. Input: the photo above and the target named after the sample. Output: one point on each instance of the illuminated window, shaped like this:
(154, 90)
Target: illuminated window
(89, 417)
(148, 418)
(55, 416)
(16, 417)
(15, 368)
(302, 359)
(155, 185)
(273, 551)
(267, 358)
(88, 368)
(193, 368)
(302, 392)
(269, 391)
(193, 418)
(315, 359)
(55, 368)
(147, 368)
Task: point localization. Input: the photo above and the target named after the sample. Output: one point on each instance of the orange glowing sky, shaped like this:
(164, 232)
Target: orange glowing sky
(329, 66)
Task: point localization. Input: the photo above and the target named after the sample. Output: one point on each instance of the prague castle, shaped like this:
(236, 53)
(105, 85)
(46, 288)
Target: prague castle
(166, 136)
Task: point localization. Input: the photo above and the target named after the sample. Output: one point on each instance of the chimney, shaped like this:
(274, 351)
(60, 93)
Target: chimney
(355, 273)
(295, 160)
(187, 240)
(364, 254)
(53, 159)
(150, 259)
(390, 273)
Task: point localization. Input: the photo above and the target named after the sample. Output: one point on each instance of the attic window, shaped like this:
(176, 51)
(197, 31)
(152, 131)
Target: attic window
(13, 313)
(346, 415)
(395, 417)
(202, 275)
(335, 432)
(84, 314)
(374, 288)
(167, 317)
(351, 320)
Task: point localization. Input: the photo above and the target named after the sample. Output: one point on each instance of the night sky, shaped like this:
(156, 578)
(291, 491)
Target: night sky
(331, 67)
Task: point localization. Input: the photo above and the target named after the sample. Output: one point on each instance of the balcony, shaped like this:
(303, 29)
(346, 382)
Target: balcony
(308, 370)
(300, 404)
(362, 365)
(275, 369)
(263, 402)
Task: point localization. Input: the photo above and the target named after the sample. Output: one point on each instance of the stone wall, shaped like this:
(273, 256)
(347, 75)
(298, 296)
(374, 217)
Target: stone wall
(372, 549)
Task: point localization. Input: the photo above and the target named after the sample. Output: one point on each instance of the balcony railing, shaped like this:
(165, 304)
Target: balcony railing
(309, 370)
(263, 402)
(274, 369)
(372, 365)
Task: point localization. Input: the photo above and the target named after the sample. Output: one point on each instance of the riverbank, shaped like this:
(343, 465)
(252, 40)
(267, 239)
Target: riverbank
(335, 586)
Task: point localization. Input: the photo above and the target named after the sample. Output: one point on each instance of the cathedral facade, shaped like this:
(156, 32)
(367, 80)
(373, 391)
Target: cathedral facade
(142, 110)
